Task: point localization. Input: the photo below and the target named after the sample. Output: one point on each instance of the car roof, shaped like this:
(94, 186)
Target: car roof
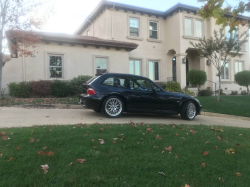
(121, 74)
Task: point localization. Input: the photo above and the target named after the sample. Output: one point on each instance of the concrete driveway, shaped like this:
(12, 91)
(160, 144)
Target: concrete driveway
(21, 117)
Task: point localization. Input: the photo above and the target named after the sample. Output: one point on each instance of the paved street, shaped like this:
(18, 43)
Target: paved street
(21, 117)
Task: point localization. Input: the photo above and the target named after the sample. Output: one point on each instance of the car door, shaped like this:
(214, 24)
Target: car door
(142, 96)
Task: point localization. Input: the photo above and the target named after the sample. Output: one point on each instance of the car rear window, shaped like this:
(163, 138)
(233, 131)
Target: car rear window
(92, 80)
(117, 82)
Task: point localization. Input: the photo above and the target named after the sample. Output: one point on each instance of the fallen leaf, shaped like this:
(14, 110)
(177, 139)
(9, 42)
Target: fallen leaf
(11, 158)
(2, 133)
(80, 160)
(71, 164)
(95, 147)
(155, 146)
(240, 134)
(193, 132)
(238, 174)
(32, 140)
(101, 141)
(186, 185)
(176, 156)
(162, 173)
(203, 165)
(17, 148)
(230, 151)
(216, 147)
(45, 168)
(45, 147)
(207, 142)
(176, 134)
(50, 153)
(41, 153)
(101, 129)
(114, 142)
(221, 179)
(37, 140)
(138, 143)
(183, 175)
(93, 140)
(218, 137)
(238, 145)
(4, 137)
(158, 137)
(206, 152)
(183, 138)
(168, 148)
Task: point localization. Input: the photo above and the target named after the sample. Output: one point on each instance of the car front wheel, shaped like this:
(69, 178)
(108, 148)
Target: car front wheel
(112, 107)
(188, 111)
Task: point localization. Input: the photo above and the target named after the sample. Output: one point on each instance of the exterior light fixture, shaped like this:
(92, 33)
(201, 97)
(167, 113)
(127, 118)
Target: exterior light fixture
(184, 60)
(208, 62)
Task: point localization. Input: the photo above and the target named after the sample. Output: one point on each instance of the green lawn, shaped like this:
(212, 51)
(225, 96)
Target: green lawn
(140, 159)
(32, 101)
(232, 105)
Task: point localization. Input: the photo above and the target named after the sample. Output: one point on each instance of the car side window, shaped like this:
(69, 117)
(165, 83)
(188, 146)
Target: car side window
(117, 82)
(141, 84)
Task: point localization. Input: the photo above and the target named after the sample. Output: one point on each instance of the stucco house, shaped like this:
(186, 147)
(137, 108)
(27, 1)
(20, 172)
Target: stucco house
(122, 38)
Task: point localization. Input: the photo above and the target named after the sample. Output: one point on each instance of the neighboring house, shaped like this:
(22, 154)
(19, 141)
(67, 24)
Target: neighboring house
(163, 52)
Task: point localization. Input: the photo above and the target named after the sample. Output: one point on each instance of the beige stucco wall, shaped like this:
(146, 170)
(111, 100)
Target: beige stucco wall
(171, 37)
(77, 60)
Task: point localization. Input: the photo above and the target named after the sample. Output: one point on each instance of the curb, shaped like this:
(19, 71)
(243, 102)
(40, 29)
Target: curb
(224, 116)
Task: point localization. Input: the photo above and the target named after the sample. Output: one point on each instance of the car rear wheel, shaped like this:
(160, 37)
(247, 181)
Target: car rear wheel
(188, 111)
(112, 107)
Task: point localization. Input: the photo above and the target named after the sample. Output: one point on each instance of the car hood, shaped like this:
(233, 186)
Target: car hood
(182, 95)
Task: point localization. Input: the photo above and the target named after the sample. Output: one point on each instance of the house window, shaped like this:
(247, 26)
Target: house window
(55, 66)
(135, 67)
(134, 26)
(224, 70)
(238, 67)
(153, 70)
(232, 34)
(153, 30)
(188, 27)
(101, 65)
(193, 27)
(198, 28)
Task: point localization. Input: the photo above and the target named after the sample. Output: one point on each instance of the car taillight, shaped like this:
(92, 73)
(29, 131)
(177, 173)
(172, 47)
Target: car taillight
(91, 91)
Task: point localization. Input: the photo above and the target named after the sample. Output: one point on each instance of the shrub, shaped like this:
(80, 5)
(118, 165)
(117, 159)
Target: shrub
(205, 92)
(244, 92)
(163, 85)
(76, 84)
(243, 79)
(172, 86)
(41, 88)
(234, 93)
(187, 92)
(197, 77)
(19, 90)
(60, 88)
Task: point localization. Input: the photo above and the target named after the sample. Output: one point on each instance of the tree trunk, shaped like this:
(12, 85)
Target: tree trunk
(218, 97)
(1, 64)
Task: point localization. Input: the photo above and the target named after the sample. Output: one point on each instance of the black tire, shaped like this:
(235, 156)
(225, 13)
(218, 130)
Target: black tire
(118, 101)
(184, 111)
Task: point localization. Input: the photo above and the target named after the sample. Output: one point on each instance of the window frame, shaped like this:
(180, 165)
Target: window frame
(130, 17)
(157, 22)
(159, 74)
(140, 61)
(194, 19)
(97, 57)
(238, 61)
(88, 33)
(224, 71)
(49, 66)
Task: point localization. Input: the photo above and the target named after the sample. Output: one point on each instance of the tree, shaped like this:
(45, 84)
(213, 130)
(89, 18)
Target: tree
(225, 16)
(220, 50)
(17, 16)
(197, 78)
(243, 79)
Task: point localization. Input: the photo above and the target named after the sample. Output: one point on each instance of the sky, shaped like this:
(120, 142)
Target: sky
(70, 14)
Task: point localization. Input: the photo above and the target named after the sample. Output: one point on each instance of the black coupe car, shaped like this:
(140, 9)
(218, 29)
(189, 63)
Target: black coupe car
(114, 94)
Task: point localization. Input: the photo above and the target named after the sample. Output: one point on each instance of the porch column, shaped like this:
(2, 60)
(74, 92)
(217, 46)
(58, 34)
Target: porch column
(181, 69)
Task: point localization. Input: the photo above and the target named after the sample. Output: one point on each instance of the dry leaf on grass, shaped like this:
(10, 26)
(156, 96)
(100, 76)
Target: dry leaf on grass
(41, 153)
(81, 160)
(11, 158)
(1, 155)
(238, 174)
(162, 173)
(216, 147)
(238, 145)
(158, 137)
(37, 140)
(4, 137)
(168, 148)
(71, 164)
(206, 152)
(45, 147)
(101, 129)
(45, 168)
(95, 147)
(17, 148)
(2, 133)
(176, 134)
(221, 179)
(32, 140)
(230, 151)
(203, 165)
(50, 153)
(193, 132)
(114, 142)
(101, 141)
